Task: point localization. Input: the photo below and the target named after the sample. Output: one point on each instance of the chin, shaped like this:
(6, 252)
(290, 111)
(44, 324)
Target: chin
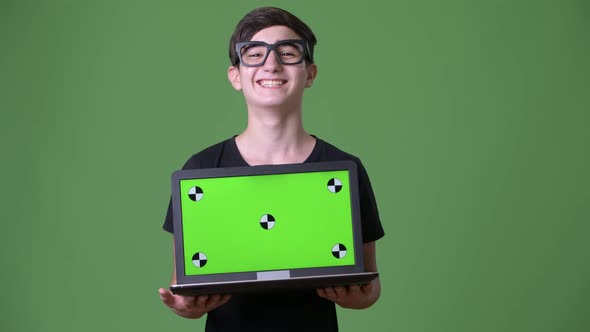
(269, 103)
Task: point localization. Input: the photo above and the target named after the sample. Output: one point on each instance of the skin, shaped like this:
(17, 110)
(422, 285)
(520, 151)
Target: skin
(190, 306)
(355, 296)
(275, 135)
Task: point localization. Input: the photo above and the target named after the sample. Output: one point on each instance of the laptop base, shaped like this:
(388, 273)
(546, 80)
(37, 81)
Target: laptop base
(273, 285)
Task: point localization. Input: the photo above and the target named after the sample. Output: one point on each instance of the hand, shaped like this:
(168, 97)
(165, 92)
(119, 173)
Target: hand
(192, 306)
(353, 296)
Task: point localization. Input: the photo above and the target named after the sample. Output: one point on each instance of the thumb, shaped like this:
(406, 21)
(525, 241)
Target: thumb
(167, 297)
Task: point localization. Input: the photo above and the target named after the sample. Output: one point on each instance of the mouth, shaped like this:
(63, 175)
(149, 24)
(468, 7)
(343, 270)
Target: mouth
(271, 83)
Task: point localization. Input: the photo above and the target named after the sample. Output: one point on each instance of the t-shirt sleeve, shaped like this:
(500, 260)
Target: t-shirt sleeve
(371, 223)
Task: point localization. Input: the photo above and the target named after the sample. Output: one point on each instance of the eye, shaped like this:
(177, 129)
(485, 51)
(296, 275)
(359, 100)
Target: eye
(253, 51)
(254, 55)
(288, 51)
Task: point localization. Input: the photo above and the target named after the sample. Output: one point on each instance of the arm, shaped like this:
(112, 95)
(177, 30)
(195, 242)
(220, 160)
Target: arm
(355, 296)
(190, 306)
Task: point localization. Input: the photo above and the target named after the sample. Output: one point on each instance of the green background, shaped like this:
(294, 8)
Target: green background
(470, 116)
(309, 222)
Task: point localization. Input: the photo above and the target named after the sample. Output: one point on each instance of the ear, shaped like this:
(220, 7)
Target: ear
(312, 72)
(233, 74)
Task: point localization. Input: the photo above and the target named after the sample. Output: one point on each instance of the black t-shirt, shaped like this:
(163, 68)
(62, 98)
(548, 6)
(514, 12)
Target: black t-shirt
(300, 310)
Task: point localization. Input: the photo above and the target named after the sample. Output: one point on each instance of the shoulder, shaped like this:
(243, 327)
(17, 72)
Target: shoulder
(329, 152)
(207, 157)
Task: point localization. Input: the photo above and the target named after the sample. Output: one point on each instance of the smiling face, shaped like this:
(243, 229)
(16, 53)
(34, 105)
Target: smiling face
(273, 85)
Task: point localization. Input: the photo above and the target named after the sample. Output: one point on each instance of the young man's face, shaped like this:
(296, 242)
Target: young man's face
(273, 84)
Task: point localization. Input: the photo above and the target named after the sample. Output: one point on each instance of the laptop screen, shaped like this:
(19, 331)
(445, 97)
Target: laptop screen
(266, 222)
(266, 218)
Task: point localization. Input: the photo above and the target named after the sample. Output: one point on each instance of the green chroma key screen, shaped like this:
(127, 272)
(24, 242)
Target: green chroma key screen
(266, 222)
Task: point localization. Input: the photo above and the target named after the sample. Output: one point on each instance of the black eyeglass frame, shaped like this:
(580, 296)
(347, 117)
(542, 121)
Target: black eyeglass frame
(273, 47)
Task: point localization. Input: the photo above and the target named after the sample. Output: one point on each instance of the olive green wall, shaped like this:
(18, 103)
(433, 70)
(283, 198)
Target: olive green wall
(470, 116)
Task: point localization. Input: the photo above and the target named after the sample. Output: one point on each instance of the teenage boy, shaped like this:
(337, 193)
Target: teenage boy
(271, 54)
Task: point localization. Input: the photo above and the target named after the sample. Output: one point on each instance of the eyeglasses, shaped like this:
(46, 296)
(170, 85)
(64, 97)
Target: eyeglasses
(287, 52)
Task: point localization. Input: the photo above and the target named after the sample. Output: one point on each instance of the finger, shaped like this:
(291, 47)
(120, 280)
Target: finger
(212, 301)
(354, 289)
(340, 291)
(331, 293)
(322, 292)
(164, 293)
(184, 302)
(217, 300)
(166, 296)
(224, 299)
(367, 288)
(201, 301)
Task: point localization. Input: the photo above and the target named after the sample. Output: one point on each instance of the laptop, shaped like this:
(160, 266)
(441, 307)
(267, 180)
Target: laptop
(265, 228)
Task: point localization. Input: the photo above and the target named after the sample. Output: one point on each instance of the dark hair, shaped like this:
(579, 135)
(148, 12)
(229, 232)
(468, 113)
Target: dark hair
(262, 18)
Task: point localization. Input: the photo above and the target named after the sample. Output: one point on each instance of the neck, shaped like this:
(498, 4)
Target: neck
(274, 137)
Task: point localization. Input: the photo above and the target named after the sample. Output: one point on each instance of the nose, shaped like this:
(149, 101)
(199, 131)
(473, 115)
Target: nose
(272, 62)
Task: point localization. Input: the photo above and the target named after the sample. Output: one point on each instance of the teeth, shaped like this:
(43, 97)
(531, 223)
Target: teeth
(267, 83)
